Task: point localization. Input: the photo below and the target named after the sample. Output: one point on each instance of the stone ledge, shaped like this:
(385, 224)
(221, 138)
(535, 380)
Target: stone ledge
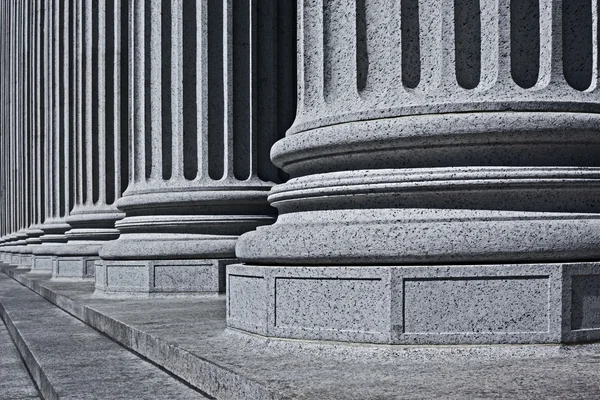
(69, 360)
(188, 337)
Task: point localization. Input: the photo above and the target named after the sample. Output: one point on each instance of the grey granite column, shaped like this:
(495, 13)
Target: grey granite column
(17, 134)
(37, 129)
(101, 134)
(32, 230)
(57, 135)
(445, 172)
(5, 129)
(204, 115)
(4, 101)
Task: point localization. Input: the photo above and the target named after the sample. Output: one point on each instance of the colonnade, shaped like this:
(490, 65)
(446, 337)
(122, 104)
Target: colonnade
(442, 161)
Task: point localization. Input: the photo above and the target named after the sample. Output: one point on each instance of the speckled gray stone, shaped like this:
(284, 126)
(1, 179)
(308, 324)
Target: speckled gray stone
(15, 381)
(527, 303)
(203, 117)
(190, 339)
(445, 145)
(148, 277)
(70, 360)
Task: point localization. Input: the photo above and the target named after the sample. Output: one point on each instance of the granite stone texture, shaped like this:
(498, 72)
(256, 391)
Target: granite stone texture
(200, 134)
(166, 277)
(454, 304)
(70, 360)
(189, 338)
(15, 381)
(444, 179)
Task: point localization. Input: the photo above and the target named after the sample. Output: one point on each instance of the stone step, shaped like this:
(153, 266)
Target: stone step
(70, 360)
(189, 338)
(15, 381)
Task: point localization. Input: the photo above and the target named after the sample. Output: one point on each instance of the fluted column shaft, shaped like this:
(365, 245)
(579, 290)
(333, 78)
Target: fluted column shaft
(37, 127)
(432, 134)
(17, 130)
(58, 130)
(18, 134)
(99, 122)
(200, 134)
(4, 225)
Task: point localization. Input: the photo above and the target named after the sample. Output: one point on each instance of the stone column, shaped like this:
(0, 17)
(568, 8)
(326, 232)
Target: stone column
(101, 134)
(445, 172)
(203, 119)
(36, 130)
(17, 135)
(4, 190)
(57, 135)
(31, 225)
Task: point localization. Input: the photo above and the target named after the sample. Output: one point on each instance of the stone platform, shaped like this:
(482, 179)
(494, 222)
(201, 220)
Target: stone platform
(188, 337)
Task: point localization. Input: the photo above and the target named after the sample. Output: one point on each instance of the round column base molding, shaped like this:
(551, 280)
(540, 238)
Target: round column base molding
(92, 234)
(421, 236)
(169, 246)
(440, 140)
(420, 305)
(34, 232)
(156, 278)
(94, 217)
(54, 227)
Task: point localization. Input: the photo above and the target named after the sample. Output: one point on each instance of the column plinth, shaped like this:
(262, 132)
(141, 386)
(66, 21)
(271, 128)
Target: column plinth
(444, 186)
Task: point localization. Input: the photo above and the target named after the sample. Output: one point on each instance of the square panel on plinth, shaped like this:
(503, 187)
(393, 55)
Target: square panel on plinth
(133, 277)
(74, 267)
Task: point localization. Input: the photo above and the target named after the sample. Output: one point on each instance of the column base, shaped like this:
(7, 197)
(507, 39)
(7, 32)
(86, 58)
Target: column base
(160, 277)
(76, 260)
(74, 267)
(14, 257)
(456, 304)
(25, 260)
(42, 262)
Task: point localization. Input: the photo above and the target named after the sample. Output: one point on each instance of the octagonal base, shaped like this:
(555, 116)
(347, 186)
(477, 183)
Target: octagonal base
(466, 304)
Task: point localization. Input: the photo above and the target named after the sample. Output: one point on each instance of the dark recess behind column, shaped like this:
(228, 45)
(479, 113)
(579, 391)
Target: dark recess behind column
(110, 94)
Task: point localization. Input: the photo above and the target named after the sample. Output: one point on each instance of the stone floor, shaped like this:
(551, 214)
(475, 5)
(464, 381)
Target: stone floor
(188, 337)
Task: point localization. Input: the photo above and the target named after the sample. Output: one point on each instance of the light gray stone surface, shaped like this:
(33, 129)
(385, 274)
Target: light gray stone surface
(160, 277)
(446, 145)
(527, 303)
(70, 360)
(189, 338)
(205, 110)
(15, 381)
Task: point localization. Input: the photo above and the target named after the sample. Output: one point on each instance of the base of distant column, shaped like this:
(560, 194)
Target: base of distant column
(75, 261)
(135, 278)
